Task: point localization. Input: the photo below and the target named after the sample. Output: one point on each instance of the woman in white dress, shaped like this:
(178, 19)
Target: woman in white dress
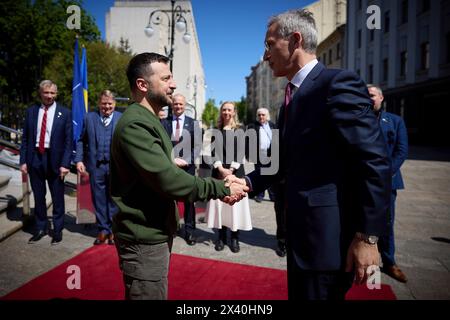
(219, 214)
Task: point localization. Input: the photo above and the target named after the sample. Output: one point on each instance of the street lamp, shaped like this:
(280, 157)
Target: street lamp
(176, 20)
(195, 83)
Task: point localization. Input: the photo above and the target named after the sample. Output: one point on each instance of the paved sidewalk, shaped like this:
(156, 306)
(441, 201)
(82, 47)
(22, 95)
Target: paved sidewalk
(422, 233)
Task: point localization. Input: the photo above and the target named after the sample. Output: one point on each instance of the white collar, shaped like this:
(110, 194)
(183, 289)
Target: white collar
(300, 76)
(53, 105)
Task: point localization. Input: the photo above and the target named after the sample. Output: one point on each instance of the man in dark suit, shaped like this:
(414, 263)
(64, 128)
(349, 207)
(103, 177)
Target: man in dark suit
(178, 126)
(45, 154)
(263, 127)
(93, 148)
(396, 137)
(334, 162)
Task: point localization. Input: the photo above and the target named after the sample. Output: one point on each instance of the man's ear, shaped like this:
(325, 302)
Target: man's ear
(297, 38)
(141, 84)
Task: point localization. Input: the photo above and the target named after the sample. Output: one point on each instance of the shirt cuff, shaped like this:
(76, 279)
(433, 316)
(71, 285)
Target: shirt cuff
(235, 165)
(217, 164)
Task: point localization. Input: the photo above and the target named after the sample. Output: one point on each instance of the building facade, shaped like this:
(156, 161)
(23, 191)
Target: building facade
(331, 51)
(409, 57)
(127, 20)
(265, 90)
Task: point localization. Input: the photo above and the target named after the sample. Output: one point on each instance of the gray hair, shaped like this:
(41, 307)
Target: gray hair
(300, 20)
(265, 110)
(47, 83)
(376, 87)
(107, 93)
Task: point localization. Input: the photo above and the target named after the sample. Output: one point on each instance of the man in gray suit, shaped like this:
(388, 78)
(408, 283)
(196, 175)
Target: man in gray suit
(93, 148)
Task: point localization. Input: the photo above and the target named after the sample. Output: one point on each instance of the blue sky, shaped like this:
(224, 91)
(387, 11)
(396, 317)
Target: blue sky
(231, 35)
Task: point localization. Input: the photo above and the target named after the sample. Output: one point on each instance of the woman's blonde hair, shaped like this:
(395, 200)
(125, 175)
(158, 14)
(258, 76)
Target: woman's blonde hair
(234, 121)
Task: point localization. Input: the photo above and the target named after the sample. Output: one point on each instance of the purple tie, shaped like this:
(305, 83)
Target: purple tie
(287, 99)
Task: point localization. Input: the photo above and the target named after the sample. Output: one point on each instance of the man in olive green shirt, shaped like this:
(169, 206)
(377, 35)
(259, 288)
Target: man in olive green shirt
(145, 182)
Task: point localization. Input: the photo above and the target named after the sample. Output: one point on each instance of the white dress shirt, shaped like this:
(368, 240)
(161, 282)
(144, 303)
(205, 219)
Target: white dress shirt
(300, 76)
(174, 125)
(48, 128)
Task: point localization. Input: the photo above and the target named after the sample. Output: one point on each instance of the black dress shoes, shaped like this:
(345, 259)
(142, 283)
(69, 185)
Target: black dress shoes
(190, 240)
(235, 245)
(219, 245)
(281, 250)
(38, 236)
(57, 238)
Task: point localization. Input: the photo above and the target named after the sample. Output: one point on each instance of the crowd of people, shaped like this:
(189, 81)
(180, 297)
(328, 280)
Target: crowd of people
(334, 191)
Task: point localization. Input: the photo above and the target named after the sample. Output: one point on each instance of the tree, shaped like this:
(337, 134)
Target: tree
(210, 113)
(32, 33)
(106, 70)
(241, 108)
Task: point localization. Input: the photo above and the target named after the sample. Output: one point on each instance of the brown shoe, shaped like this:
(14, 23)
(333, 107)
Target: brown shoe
(101, 238)
(111, 239)
(396, 273)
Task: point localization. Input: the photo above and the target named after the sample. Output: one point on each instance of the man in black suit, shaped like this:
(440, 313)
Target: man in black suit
(334, 162)
(179, 127)
(263, 127)
(45, 155)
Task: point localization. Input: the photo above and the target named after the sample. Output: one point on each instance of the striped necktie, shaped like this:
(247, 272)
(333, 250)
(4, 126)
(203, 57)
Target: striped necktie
(43, 130)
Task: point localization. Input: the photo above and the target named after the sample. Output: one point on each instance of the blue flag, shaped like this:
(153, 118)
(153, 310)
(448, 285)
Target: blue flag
(84, 80)
(78, 105)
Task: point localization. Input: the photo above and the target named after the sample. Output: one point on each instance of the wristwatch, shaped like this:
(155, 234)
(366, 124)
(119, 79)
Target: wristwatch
(366, 238)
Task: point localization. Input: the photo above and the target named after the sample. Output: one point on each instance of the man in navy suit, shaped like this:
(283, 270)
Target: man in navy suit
(334, 162)
(45, 154)
(396, 137)
(178, 126)
(93, 155)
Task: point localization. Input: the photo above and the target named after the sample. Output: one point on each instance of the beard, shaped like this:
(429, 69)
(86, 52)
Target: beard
(158, 99)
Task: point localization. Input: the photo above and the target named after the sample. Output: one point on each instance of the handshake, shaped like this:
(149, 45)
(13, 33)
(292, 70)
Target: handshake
(238, 189)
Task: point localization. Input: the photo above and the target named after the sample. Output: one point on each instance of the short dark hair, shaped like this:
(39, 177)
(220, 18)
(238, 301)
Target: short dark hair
(139, 66)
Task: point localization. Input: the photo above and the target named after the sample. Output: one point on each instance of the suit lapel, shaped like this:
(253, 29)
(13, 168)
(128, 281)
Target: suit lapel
(35, 119)
(55, 120)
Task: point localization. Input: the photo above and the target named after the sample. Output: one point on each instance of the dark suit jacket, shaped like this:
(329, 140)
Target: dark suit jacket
(336, 167)
(60, 141)
(257, 127)
(87, 144)
(396, 136)
(189, 124)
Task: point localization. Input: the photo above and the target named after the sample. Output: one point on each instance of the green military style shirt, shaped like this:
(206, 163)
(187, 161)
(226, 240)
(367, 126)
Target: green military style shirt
(145, 182)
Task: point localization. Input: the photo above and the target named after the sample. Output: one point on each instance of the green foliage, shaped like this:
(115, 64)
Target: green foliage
(241, 107)
(34, 34)
(210, 113)
(106, 70)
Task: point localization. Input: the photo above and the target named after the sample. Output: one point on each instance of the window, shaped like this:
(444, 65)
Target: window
(425, 56)
(370, 74)
(403, 63)
(404, 12)
(371, 35)
(359, 39)
(338, 51)
(358, 72)
(385, 69)
(387, 21)
(330, 56)
(359, 4)
(324, 58)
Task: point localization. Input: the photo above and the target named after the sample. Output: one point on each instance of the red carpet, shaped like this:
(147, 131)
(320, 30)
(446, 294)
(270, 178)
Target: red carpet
(189, 278)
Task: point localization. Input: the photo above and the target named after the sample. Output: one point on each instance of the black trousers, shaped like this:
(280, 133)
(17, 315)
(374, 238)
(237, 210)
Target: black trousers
(316, 285)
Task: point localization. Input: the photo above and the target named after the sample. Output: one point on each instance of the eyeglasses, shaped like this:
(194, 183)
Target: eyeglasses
(267, 46)
(261, 115)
